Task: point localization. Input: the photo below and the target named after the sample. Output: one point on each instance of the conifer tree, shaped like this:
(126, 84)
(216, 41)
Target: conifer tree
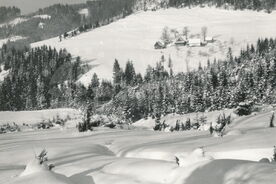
(271, 123)
(130, 75)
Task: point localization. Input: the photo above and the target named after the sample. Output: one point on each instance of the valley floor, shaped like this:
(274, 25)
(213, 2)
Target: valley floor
(137, 156)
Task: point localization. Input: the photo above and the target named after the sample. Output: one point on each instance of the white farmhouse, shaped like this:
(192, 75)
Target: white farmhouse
(209, 39)
(194, 42)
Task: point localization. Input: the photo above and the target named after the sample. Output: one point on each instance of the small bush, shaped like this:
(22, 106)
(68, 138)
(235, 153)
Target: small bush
(110, 125)
(188, 124)
(244, 108)
(264, 160)
(42, 157)
(84, 126)
(6, 128)
(222, 121)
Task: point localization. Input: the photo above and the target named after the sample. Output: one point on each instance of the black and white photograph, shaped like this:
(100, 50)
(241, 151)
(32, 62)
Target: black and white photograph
(137, 91)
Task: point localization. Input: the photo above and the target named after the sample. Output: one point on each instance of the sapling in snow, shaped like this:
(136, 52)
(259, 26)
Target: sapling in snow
(271, 123)
(38, 164)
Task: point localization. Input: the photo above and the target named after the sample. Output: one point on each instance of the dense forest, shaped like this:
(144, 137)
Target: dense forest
(219, 85)
(62, 18)
(236, 4)
(105, 10)
(8, 13)
(34, 82)
(37, 77)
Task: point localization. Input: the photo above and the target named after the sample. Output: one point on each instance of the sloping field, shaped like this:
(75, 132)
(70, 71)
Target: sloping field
(133, 38)
(142, 156)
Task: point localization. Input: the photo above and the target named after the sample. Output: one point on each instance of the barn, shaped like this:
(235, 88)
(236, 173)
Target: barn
(159, 45)
(180, 41)
(209, 39)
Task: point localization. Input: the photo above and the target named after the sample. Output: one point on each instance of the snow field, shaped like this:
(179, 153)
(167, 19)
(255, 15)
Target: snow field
(140, 156)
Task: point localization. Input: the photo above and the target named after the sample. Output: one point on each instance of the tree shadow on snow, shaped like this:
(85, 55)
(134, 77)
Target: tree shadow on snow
(213, 172)
(83, 178)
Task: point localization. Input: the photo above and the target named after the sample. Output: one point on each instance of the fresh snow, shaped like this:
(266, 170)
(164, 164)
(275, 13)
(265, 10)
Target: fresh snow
(133, 38)
(106, 156)
(171, 119)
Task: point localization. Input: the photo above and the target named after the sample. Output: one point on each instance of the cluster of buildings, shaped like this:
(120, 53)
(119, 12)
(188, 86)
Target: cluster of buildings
(181, 41)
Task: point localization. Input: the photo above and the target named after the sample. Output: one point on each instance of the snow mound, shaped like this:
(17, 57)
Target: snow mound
(33, 167)
(253, 174)
(198, 155)
(233, 172)
(234, 132)
(148, 123)
(43, 177)
(143, 170)
(38, 171)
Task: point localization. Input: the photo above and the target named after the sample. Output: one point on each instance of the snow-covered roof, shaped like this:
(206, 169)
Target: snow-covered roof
(209, 38)
(181, 38)
(160, 43)
(194, 41)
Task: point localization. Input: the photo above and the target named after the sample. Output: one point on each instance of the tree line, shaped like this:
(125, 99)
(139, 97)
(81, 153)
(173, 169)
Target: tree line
(236, 4)
(35, 82)
(38, 78)
(8, 13)
(221, 84)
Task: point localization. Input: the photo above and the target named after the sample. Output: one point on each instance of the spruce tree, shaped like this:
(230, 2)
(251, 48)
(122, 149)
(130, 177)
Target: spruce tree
(130, 75)
(95, 81)
(117, 73)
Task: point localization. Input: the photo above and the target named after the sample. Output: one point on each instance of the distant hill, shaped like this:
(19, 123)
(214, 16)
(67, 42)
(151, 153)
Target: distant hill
(8, 13)
(30, 6)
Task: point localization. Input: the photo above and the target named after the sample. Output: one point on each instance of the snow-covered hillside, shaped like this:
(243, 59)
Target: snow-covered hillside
(133, 38)
(12, 39)
(108, 156)
(14, 22)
